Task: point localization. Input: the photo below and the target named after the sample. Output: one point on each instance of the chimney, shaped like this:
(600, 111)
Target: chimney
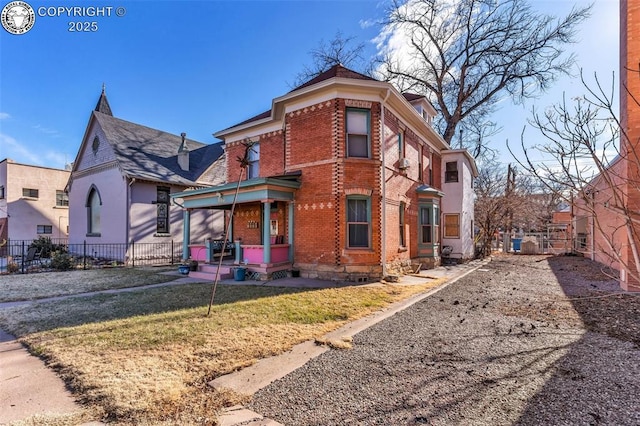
(183, 154)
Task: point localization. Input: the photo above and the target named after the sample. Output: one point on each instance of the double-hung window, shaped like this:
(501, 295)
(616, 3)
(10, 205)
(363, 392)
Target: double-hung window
(403, 236)
(253, 171)
(358, 222)
(429, 224)
(358, 134)
(451, 171)
(62, 199)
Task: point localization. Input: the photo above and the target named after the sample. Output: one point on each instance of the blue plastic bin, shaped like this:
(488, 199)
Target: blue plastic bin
(239, 274)
(516, 244)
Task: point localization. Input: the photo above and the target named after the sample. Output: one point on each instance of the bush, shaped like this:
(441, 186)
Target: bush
(61, 261)
(12, 267)
(45, 246)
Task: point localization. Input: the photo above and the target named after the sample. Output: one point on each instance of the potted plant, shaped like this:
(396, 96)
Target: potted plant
(193, 265)
(184, 267)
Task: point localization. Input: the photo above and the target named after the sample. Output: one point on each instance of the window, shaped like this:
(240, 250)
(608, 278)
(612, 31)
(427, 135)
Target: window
(357, 133)
(45, 229)
(451, 171)
(30, 193)
(358, 219)
(425, 225)
(94, 205)
(429, 225)
(162, 209)
(452, 226)
(62, 199)
(253, 171)
(421, 165)
(95, 145)
(403, 240)
(1, 192)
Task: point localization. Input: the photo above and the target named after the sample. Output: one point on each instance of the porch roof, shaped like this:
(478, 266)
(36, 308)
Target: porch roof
(429, 191)
(251, 190)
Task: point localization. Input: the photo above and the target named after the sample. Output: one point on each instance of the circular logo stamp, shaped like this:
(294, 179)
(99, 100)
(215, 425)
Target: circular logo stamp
(17, 17)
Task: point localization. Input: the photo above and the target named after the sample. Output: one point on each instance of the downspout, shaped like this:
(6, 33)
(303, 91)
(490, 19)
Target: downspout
(128, 216)
(384, 189)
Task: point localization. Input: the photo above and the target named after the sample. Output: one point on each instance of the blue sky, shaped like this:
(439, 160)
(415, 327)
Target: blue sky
(198, 67)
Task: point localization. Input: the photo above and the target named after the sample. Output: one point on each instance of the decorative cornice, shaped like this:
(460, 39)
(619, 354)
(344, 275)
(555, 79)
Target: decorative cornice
(95, 170)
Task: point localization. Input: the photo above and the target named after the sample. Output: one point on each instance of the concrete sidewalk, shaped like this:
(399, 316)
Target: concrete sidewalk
(28, 388)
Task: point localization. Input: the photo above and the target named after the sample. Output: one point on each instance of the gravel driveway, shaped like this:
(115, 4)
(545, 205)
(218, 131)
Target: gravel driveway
(526, 340)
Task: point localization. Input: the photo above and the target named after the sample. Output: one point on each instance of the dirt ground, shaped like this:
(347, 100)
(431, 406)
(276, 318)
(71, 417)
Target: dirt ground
(523, 340)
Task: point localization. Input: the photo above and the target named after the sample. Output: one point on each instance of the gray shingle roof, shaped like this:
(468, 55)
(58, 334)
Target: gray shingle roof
(334, 71)
(151, 154)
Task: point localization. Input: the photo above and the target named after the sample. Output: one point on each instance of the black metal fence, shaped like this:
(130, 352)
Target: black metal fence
(57, 254)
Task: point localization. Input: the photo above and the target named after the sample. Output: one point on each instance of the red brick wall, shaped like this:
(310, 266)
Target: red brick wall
(271, 156)
(630, 115)
(314, 142)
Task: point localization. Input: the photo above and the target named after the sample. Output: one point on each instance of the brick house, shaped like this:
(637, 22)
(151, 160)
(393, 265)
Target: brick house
(344, 181)
(606, 216)
(121, 180)
(33, 202)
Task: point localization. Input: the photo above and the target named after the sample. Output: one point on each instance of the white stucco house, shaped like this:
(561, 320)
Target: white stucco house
(458, 172)
(121, 180)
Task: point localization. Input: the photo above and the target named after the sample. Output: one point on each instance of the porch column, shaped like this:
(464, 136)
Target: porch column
(290, 231)
(186, 232)
(266, 234)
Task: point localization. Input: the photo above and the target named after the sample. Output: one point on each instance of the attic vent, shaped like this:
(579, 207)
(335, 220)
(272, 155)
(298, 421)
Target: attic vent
(95, 145)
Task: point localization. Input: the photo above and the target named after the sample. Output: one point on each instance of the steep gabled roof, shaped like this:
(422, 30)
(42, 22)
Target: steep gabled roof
(151, 154)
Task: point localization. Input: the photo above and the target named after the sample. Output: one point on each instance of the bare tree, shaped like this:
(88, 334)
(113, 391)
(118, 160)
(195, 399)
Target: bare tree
(584, 137)
(507, 200)
(340, 50)
(467, 55)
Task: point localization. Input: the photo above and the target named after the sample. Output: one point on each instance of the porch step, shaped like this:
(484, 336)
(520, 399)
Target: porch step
(208, 272)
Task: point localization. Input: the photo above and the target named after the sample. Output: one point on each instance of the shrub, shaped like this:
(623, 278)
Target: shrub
(61, 261)
(46, 247)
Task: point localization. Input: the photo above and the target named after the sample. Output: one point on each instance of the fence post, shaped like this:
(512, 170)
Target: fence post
(172, 252)
(23, 256)
(84, 255)
(133, 253)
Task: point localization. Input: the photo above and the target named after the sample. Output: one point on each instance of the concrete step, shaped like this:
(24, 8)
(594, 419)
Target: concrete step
(211, 275)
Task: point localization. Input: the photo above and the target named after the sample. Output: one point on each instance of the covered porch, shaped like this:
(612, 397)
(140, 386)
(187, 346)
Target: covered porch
(261, 225)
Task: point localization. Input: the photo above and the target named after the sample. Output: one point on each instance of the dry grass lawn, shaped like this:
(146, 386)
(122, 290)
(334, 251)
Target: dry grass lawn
(50, 284)
(145, 357)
